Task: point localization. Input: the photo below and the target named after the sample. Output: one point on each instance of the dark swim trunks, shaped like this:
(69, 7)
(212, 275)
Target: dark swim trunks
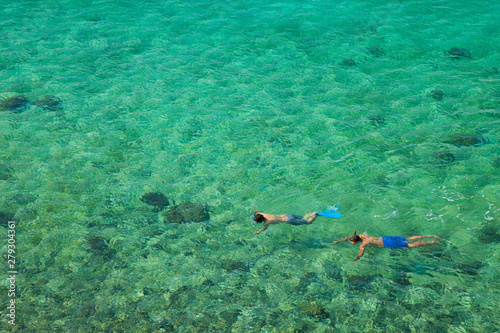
(295, 219)
(394, 242)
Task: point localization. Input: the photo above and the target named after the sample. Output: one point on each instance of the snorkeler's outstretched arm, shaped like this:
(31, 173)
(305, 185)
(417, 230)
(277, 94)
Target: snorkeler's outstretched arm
(263, 228)
(342, 240)
(361, 252)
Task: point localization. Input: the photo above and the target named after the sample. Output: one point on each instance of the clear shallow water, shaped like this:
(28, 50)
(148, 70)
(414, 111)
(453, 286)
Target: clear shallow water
(241, 106)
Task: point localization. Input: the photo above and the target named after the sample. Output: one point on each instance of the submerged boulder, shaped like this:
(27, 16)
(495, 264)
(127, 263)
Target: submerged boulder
(348, 62)
(16, 104)
(6, 172)
(444, 157)
(457, 53)
(489, 234)
(438, 95)
(156, 199)
(465, 140)
(375, 51)
(50, 102)
(313, 310)
(187, 212)
(5, 217)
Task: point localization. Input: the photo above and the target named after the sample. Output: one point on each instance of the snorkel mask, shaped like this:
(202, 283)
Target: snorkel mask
(355, 238)
(254, 215)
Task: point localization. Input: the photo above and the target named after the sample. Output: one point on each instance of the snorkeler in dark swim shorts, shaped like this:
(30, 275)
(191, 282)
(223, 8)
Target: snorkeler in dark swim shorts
(296, 220)
(269, 219)
(390, 242)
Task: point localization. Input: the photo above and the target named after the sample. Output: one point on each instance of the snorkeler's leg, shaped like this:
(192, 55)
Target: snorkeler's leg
(420, 237)
(417, 244)
(310, 217)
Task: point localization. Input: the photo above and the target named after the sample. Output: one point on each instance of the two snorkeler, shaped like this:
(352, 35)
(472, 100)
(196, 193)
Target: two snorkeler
(391, 242)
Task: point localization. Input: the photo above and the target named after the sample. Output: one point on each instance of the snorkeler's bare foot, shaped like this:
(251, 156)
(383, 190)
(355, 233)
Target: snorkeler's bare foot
(310, 217)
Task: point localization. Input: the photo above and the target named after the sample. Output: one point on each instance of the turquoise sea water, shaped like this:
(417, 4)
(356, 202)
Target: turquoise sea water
(243, 106)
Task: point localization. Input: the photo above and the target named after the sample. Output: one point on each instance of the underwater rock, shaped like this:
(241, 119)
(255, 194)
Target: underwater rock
(16, 104)
(24, 198)
(229, 317)
(377, 120)
(493, 70)
(489, 234)
(97, 243)
(348, 62)
(438, 95)
(444, 157)
(208, 282)
(465, 140)
(283, 141)
(375, 51)
(496, 163)
(361, 280)
(236, 266)
(99, 246)
(86, 310)
(156, 199)
(6, 173)
(470, 269)
(187, 212)
(402, 281)
(166, 326)
(305, 281)
(314, 310)
(5, 218)
(50, 102)
(457, 53)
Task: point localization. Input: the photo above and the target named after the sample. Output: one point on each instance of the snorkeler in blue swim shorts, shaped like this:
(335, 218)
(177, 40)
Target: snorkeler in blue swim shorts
(390, 242)
(393, 242)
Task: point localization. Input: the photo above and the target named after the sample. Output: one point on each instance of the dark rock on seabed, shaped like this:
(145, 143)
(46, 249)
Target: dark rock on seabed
(457, 53)
(313, 310)
(24, 198)
(496, 163)
(16, 104)
(377, 120)
(98, 245)
(5, 218)
(187, 212)
(438, 95)
(375, 51)
(465, 140)
(6, 172)
(50, 102)
(444, 157)
(348, 62)
(156, 199)
(489, 234)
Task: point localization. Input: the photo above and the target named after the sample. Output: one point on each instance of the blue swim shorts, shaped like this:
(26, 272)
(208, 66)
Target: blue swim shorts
(295, 219)
(394, 242)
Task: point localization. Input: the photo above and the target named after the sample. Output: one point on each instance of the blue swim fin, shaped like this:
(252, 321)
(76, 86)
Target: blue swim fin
(330, 214)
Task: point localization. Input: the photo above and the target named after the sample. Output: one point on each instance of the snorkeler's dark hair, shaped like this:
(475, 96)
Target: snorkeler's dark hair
(356, 238)
(259, 218)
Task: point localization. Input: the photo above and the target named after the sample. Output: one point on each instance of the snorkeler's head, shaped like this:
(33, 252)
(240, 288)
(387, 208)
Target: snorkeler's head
(355, 239)
(259, 218)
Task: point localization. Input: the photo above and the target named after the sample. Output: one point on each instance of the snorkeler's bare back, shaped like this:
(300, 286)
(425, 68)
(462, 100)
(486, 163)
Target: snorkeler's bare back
(274, 219)
(371, 241)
